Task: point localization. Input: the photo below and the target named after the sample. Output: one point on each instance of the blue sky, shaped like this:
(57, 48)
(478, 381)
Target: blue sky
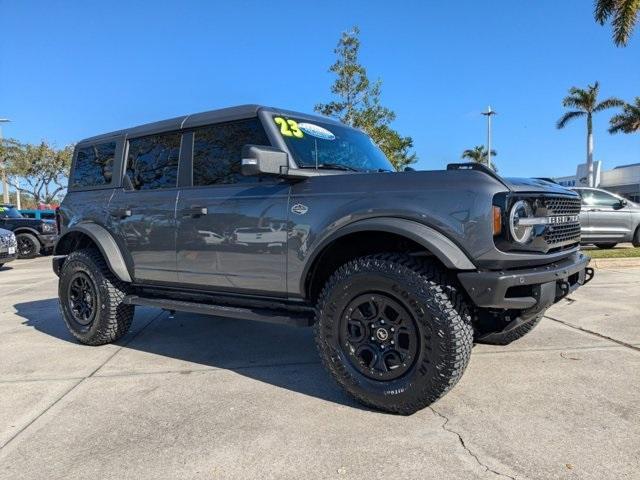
(74, 69)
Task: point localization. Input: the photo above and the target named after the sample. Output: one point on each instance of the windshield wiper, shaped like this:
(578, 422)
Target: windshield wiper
(334, 166)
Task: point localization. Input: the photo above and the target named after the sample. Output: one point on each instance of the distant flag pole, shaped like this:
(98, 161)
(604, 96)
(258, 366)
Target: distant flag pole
(489, 113)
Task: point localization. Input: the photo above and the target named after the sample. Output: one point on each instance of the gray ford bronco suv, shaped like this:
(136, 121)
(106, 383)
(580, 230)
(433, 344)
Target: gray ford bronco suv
(265, 214)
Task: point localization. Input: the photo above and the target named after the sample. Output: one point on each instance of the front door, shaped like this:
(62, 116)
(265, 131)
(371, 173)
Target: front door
(231, 230)
(142, 213)
(607, 220)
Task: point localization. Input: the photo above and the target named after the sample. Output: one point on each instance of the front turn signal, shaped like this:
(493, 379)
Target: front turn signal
(497, 221)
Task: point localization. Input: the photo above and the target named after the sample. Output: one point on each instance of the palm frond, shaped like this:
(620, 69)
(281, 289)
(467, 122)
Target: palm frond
(603, 10)
(628, 121)
(608, 103)
(624, 20)
(567, 117)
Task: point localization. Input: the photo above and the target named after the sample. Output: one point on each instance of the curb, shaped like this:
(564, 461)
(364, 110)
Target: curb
(615, 262)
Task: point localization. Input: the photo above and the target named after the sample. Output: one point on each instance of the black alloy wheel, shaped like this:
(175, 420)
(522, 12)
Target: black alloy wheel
(379, 336)
(28, 246)
(82, 298)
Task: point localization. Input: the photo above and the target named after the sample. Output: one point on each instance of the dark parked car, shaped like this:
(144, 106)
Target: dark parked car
(33, 236)
(608, 219)
(7, 247)
(398, 272)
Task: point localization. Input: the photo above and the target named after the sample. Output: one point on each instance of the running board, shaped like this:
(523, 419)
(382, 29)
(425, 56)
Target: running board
(282, 317)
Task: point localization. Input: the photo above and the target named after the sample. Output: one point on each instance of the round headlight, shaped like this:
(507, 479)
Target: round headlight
(520, 210)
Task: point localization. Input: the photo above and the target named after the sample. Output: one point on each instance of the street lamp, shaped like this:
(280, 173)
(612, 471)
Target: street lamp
(5, 186)
(489, 113)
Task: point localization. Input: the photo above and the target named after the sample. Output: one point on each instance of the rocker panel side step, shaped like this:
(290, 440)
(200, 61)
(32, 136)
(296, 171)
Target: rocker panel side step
(282, 317)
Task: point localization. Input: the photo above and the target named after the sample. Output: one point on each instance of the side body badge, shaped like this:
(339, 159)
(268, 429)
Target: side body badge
(299, 209)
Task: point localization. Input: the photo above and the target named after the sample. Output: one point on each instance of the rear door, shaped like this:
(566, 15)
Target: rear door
(142, 213)
(608, 219)
(231, 229)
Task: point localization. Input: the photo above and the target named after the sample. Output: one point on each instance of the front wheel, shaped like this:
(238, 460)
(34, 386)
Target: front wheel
(393, 331)
(91, 299)
(28, 245)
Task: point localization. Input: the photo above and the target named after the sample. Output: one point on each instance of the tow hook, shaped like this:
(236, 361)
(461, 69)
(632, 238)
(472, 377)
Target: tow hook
(589, 272)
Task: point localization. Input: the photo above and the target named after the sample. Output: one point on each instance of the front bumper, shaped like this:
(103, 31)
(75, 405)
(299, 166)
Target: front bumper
(527, 289)
(47, 240)
(6, 257)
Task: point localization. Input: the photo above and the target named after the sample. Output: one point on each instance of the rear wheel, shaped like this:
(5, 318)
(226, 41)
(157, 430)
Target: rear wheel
(393, 332)
(91, 299)
(28, 245)
(605, 246)
(636, 238)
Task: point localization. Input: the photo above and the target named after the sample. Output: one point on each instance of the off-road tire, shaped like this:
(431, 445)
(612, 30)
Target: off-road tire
(436, 305)
(30, 240)
(112, 318)
(605, 246)
(505, 338)
(636, 238)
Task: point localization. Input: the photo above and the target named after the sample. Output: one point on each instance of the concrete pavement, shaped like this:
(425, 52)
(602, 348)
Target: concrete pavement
(201, 397)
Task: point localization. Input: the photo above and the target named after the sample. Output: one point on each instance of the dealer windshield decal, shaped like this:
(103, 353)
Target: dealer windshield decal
(288, 127)
(316, 131)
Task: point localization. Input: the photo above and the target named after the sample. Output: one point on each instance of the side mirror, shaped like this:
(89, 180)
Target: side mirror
(409, 169)
(261, 160)
(623, 203)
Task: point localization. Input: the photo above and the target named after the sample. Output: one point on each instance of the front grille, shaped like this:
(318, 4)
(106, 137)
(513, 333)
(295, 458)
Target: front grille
(561, 206)
(566, 233)
(562, 234)
(8, 240)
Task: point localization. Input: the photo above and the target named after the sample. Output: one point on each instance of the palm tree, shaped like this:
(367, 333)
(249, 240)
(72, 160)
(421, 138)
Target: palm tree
(585, 103)
(479, 154)
(628, 121)
(623, 15)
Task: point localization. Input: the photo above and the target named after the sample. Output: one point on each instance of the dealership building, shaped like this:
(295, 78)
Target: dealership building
(623, 180)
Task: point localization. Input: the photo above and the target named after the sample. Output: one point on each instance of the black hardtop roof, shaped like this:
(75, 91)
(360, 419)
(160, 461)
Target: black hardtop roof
(202, 118)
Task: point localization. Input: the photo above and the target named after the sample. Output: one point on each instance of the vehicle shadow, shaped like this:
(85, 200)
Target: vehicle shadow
(275, 354)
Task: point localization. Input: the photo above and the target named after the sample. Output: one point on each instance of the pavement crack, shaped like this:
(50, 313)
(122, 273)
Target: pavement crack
(466, 448)
(596, 334)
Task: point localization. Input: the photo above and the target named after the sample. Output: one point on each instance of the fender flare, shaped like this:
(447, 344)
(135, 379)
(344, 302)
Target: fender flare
(30, 230)
(107, 246)
(432, 240)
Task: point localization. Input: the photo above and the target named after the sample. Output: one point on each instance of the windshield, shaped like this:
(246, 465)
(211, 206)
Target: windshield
(10, 212)
(327, 145)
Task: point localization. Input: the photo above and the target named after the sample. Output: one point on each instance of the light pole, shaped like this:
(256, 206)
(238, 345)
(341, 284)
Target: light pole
(489, 113)
(5, 186)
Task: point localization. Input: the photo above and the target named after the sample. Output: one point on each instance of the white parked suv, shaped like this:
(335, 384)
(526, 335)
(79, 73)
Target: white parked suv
(608, 219)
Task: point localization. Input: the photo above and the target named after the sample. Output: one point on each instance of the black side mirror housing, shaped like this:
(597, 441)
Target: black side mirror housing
(623, 203)
(262, 160)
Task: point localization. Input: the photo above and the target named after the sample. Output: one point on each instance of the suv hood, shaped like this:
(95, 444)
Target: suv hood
(535, 185)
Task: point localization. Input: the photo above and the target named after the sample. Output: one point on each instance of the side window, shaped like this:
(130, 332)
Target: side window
(94, 165)
(217, 150)
(596, 198)
(152, 162)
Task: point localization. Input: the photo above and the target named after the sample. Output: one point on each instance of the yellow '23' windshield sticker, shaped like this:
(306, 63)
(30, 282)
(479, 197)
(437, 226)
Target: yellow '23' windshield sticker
(288, 127)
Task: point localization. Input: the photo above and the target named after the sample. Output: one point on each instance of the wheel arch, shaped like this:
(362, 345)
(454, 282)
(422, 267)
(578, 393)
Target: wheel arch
(410, 234)
(29, 230)
(86, 234)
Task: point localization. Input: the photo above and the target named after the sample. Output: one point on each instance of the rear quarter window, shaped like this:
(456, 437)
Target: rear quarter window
(94, 165)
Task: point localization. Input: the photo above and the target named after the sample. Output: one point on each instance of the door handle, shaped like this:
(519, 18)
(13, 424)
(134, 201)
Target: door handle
(594, 210)
(195, 211)
(121, 212)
